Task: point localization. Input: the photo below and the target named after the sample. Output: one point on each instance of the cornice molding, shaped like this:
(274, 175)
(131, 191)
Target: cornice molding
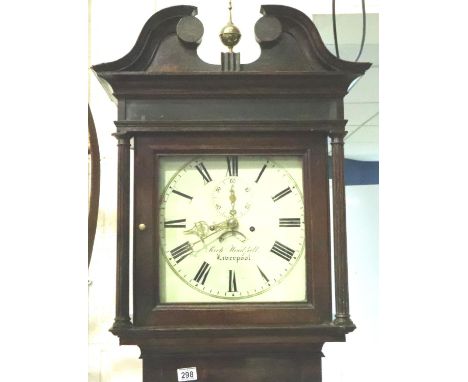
(163, 63)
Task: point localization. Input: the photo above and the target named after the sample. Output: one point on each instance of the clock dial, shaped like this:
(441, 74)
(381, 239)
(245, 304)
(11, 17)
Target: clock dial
(232, 229)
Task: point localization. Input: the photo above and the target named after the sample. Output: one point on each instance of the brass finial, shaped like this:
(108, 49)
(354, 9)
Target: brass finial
(230, 34)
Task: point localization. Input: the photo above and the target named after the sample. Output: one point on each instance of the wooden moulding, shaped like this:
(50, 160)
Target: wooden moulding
(230, 338)
(342, 316)
(164, 60)
(122, 318)
(176, 26)
(132, 127)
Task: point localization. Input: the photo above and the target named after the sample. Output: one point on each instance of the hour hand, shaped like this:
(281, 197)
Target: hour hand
(201, 229)
(205, 232)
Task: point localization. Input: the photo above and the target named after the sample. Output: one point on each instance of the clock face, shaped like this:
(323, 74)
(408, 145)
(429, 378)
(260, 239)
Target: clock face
(231, 229)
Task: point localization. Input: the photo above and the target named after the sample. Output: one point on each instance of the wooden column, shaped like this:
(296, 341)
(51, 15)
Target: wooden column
(342, 317)
(122, 318)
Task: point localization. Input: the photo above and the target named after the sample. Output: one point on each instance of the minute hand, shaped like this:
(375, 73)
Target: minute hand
(232, 199)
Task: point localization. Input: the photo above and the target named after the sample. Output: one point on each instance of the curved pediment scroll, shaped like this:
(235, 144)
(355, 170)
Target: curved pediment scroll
(167, 43)
(164, 60)
(290, 41)
(288, 38)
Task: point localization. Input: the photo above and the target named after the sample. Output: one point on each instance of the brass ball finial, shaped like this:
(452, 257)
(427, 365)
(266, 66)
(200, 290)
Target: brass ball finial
(230, 34)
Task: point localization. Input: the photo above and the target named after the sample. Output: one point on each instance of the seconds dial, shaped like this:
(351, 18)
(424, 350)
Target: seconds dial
(232, 227)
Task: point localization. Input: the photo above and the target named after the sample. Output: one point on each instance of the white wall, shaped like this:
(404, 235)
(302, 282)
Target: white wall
(115, 26)
(355, 360)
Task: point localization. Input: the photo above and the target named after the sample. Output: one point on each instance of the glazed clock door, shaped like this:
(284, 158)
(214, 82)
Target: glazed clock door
(231, 229)
(230, 226)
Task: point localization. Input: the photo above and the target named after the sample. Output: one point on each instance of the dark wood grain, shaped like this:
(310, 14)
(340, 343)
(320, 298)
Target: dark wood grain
(94, 181)
(168, 85)
(232, 126)
(190, 30)
(342, 316)
(267, 30)
(230, 62)
(287, 367)
(122, 318)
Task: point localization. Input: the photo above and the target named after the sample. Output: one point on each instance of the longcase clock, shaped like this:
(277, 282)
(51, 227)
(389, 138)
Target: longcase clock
(231, 222)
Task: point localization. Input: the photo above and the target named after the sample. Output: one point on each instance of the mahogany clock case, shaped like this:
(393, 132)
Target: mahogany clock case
(288, 102)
